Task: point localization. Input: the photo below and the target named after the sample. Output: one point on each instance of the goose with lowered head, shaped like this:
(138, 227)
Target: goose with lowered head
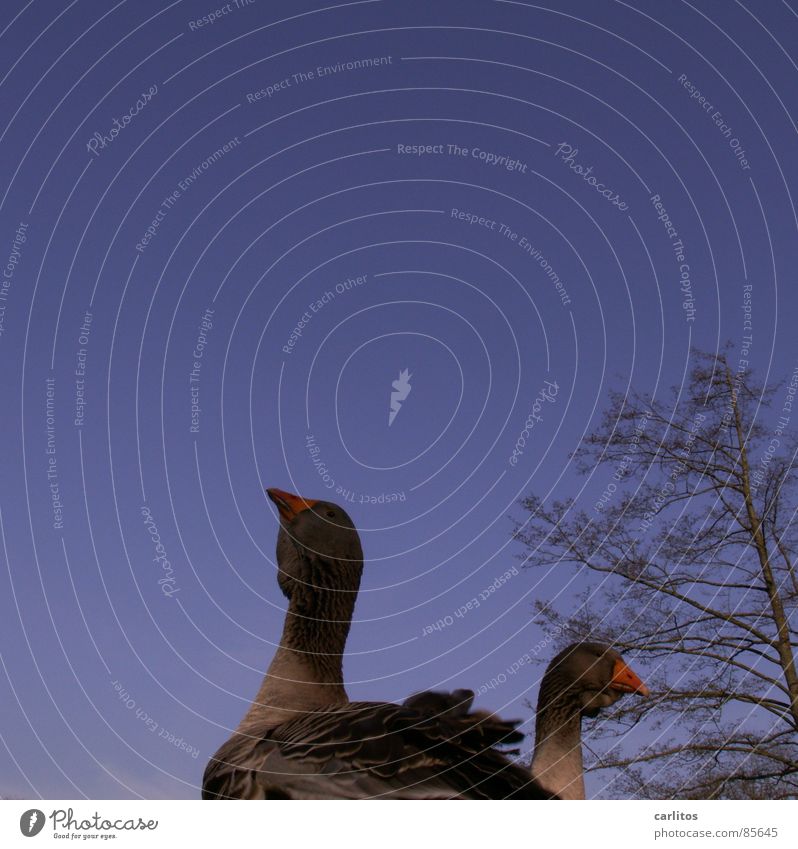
(580, 681)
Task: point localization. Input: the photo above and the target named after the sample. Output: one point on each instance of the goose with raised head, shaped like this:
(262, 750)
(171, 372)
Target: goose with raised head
(303, 738)
(320, 562)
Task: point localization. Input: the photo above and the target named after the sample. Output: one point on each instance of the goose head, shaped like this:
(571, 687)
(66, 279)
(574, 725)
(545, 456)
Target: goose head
(318, 546)
(597, 675)
(580, 681)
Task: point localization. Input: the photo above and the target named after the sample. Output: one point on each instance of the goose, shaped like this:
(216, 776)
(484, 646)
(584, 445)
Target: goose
(303, 739)
(320, 561)
(580, 681)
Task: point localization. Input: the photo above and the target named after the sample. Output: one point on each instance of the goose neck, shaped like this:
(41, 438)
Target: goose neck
(306, 672)
(557, 761)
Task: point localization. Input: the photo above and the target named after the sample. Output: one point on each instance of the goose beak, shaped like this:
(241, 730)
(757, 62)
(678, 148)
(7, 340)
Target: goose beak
(626, 681)
(289, 505)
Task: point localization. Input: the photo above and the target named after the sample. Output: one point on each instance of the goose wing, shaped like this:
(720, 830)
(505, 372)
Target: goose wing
(432, 746)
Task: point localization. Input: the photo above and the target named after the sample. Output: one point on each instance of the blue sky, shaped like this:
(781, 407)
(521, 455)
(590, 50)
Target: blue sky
(279, 197)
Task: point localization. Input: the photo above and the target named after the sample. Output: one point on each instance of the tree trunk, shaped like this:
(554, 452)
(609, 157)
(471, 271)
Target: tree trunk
(782, 643)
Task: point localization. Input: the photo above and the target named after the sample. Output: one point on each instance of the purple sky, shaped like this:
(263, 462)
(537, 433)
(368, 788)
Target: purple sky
(223, 242)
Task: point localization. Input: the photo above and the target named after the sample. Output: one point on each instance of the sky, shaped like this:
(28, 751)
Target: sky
(227, 231)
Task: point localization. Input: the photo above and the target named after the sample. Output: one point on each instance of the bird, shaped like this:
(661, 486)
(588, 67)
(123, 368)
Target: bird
(581, 680)
(303, 739)
(320, 562)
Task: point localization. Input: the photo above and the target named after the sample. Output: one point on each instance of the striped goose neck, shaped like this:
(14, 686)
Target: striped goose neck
(306, 672)
(320, 615)
(557, 761)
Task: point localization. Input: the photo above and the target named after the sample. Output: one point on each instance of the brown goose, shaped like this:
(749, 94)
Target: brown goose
(320, 561)
(581, 680)
(303, 739)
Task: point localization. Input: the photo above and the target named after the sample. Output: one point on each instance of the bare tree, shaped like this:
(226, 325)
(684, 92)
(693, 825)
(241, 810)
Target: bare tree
(690, 560)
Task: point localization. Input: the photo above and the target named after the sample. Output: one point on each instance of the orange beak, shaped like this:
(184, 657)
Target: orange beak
(624, 679)
(289, 505)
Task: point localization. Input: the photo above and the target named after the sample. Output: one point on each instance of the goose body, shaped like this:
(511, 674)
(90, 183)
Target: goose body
(431, 747)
